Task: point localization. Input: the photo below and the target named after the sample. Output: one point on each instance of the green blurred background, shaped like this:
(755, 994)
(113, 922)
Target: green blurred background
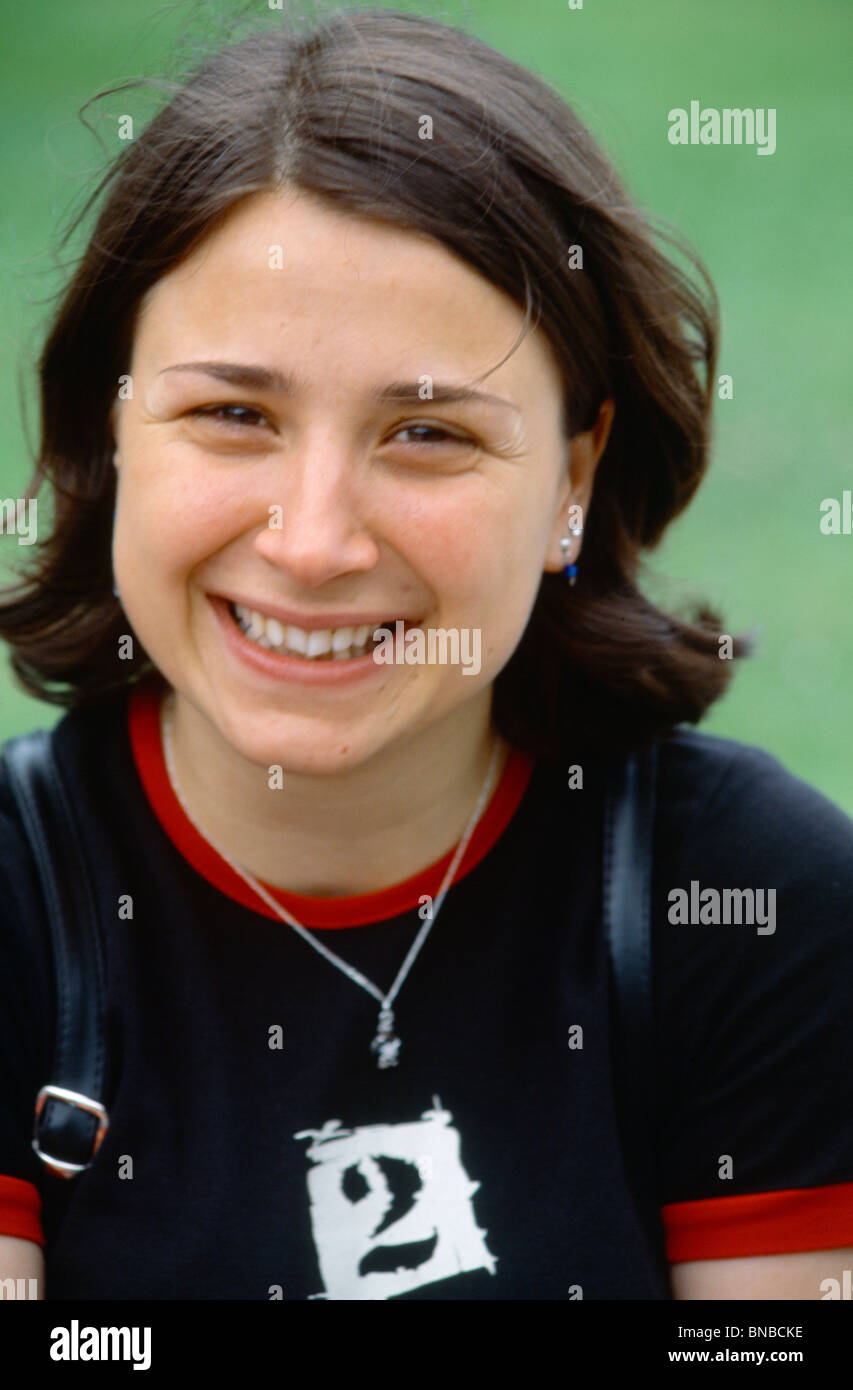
(773, 231)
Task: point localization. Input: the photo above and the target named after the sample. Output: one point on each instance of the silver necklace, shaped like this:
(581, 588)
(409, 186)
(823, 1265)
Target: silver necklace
(386, 1044)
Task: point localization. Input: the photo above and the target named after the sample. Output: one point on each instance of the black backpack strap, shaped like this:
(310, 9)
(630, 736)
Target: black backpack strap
(627, 883)
(70, 1118)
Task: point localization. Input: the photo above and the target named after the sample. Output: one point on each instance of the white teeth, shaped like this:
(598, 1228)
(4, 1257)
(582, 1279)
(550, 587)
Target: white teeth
(319, 642)
(297, 640)
(253, 623)
(335, 643)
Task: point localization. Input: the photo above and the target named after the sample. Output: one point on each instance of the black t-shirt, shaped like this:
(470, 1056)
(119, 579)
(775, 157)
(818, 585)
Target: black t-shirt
(255, 1148)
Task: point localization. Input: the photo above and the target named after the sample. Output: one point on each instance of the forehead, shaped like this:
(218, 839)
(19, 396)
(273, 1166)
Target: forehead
(290, 274)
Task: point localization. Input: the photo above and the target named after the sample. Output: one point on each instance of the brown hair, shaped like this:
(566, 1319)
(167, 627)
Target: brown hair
(509, 182)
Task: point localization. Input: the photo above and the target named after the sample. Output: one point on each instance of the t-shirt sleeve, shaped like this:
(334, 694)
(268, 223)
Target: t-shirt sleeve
(24, 983)
(754, 1031)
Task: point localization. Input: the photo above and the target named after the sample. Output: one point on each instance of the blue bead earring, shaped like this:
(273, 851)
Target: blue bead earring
(570, 570)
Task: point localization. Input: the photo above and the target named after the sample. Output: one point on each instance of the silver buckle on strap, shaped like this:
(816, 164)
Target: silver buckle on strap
(60, 1166)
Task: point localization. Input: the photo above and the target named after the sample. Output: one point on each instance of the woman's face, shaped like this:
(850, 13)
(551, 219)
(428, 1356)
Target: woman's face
(306, 474)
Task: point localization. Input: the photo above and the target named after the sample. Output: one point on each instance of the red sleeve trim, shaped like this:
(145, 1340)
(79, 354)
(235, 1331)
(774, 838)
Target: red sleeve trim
(760, 1223)
(20, 1210)
(143, 713)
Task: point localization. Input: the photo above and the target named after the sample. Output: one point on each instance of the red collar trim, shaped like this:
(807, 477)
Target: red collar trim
(355, 911)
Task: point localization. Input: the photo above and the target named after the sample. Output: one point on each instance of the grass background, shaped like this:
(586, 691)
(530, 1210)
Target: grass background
(771, 229)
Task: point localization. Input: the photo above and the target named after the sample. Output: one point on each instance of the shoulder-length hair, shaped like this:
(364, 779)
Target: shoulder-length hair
(511, 182)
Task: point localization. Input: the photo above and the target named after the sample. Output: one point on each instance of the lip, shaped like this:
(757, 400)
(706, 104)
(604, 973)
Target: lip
(292, 669)
(310, 622)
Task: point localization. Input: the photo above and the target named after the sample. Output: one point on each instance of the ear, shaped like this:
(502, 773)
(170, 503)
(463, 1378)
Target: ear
(575, 494)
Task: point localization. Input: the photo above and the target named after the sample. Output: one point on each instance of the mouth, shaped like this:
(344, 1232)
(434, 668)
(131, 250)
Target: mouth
(315, 644)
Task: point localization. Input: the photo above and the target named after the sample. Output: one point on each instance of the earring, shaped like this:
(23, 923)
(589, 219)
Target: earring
(571, 570)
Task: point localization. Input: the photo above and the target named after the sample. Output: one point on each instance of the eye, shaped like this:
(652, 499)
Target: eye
(439, 436)
(241, 416)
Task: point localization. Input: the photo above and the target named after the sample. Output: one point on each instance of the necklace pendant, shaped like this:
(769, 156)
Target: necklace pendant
(385, 1044)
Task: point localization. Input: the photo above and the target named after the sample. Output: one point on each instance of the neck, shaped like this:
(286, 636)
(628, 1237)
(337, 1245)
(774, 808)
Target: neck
(347, 833)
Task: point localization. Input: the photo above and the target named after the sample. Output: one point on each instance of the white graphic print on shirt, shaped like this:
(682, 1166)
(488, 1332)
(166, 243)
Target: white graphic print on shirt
(391, 1207)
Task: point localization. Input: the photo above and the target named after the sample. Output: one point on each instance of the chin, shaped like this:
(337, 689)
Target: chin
(299, 751)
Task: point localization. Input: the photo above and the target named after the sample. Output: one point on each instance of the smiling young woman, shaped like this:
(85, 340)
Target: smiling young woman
(316, 375)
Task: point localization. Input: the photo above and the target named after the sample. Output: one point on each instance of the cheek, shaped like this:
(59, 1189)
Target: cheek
(482, 550)
(511, 571)
(174, 513)
(445, 537)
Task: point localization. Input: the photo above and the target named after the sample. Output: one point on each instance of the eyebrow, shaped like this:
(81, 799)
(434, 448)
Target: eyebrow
(268, 379)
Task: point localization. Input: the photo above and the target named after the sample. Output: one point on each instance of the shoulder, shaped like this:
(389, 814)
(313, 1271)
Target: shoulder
(80, 746)
(753, 938)
(23, 937)
(15, 855)
(26, 990)
(753, 932)
(731, 805)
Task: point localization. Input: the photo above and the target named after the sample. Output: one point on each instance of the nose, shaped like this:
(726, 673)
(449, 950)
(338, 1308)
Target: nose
(315, 529)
